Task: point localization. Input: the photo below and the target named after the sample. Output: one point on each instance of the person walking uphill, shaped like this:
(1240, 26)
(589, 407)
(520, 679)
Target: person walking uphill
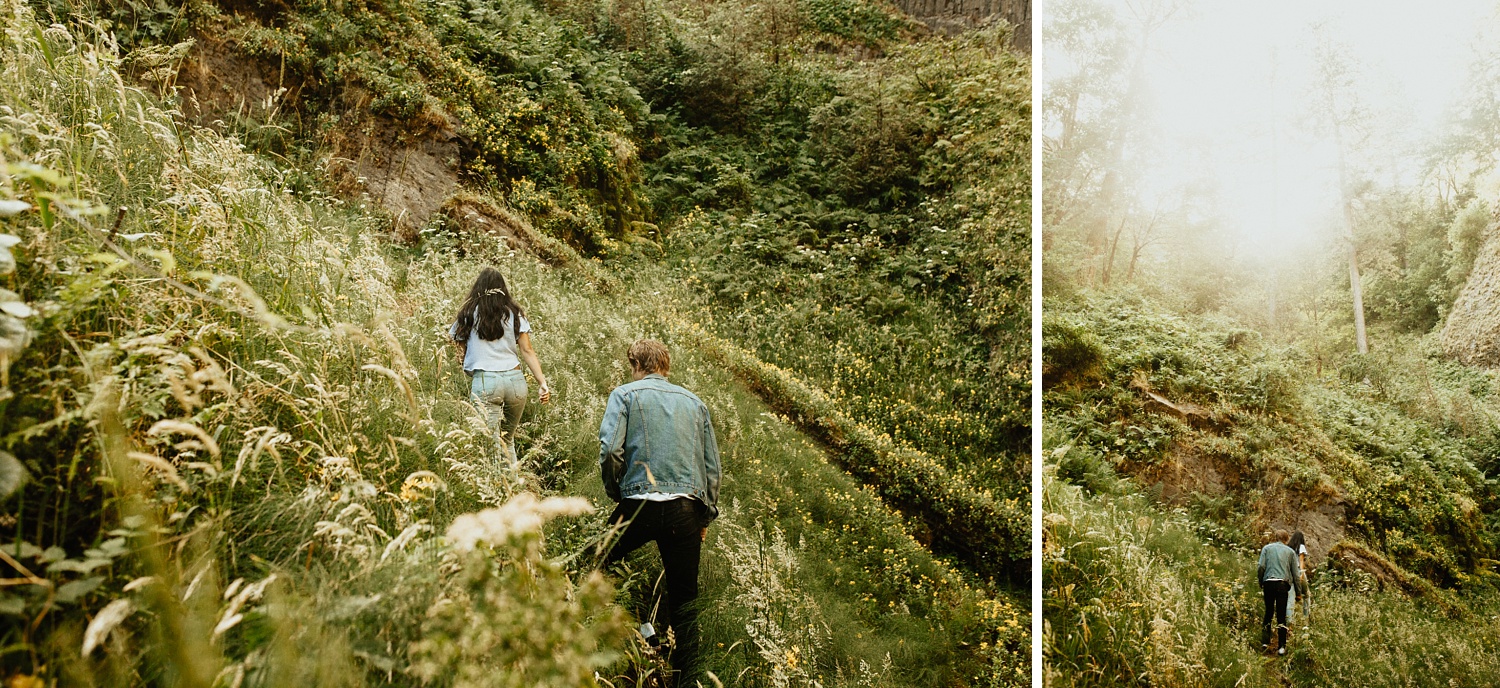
(660, 462)
(1277, 572)
(492, 335)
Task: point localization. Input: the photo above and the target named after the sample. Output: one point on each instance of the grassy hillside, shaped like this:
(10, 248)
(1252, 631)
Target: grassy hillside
(1174, 442)
(813, 171)
(241, 435)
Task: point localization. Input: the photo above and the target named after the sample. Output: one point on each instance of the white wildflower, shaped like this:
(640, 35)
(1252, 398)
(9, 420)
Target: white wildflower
(405, 538)
(232, 615)
(524, 513)
(108, 618)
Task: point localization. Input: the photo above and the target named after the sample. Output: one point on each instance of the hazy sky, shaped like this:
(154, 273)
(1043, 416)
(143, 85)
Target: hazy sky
(1213, 99)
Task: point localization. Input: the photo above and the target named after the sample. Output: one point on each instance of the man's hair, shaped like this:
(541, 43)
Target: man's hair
(1282, 536)
(649, 356)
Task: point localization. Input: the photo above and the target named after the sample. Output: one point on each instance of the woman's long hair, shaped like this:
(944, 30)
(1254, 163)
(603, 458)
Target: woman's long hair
(1298, 540)
(488, 308)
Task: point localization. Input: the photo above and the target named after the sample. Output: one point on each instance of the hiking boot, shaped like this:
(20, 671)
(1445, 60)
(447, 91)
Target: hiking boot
(1281, 651)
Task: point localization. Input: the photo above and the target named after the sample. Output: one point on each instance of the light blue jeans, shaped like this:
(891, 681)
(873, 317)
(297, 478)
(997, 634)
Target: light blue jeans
(501, 397)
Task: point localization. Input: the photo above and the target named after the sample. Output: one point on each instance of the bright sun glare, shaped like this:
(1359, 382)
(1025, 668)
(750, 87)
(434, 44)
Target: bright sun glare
(1229, 88)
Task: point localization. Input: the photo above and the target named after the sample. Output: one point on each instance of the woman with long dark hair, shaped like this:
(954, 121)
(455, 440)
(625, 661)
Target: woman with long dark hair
(491, 332)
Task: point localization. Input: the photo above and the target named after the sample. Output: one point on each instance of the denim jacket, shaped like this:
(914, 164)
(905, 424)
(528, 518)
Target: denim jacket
(657, 437)
(1277, 561)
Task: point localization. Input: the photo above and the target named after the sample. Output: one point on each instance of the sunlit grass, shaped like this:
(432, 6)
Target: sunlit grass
(245, 427)
(1135, 593)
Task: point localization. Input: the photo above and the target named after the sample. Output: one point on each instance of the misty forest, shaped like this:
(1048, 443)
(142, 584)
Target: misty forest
(236, 448)
(1271, 276)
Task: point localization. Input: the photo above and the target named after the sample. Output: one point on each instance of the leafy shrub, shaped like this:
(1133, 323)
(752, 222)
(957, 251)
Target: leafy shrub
(1070, 353)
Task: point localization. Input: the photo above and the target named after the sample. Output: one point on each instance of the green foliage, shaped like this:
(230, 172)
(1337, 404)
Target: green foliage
(860, 21)
(545, 114)
(238, 378)
(1070, 353)
(1202, 360)
(1465, 238)
(1134, 591)
(992, 536)
(882, 203)
(1409, 486)
(916, 285)
(1394, 438)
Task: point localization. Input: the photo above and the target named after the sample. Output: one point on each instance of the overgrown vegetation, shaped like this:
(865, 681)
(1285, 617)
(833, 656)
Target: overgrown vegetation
(1210, 377)
(242, 436)
(1221, 436)
(1136, 590)
(882, 205)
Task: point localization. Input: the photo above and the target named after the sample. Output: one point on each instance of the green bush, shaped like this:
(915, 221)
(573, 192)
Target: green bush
(1070, 353)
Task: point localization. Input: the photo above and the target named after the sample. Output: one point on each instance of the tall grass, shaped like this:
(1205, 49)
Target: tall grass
(246, 444)
(1150, 574)
(988, 533)
(1137, 595)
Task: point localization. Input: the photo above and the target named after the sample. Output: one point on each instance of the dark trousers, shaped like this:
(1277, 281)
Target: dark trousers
(675, 526)
(1275, 593)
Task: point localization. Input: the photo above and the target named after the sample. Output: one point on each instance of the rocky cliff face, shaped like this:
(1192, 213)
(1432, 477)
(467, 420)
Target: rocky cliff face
(1472, 333)
(953, 16)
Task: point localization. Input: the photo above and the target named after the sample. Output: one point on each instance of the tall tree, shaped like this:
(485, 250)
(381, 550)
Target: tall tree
(1093, 121)
(1340, 110)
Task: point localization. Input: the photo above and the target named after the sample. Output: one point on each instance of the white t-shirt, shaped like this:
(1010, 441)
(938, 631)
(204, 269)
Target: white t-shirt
(659, 496)
(494, 355)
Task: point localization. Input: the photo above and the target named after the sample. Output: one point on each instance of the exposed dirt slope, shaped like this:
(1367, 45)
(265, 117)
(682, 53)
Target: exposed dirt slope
(408, 172)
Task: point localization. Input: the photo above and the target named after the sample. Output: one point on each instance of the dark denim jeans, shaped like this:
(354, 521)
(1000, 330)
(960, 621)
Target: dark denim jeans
(1275, 593)
(675, 526)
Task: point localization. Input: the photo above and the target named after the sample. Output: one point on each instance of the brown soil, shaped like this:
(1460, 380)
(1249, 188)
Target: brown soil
(1386, 574)
(1321, 523)
(218, 80)
(1185, 472)
(474, 213)
(477, 214)
(409, 170)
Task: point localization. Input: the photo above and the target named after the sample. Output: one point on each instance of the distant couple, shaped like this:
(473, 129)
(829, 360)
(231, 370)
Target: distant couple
(1283, 582)
(657, 452)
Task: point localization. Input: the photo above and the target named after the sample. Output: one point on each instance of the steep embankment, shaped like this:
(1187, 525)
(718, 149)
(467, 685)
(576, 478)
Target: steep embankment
(954, 16)
(1220, 437)
(1472, 331)
(243, 437)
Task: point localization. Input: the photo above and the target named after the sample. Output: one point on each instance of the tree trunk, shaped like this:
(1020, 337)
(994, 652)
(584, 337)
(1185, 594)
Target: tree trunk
(1360, 343)
(1109, 256)
(1271, 297)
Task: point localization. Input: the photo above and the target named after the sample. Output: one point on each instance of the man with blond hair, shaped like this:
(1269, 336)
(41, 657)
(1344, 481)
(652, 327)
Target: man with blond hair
(659, 460)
